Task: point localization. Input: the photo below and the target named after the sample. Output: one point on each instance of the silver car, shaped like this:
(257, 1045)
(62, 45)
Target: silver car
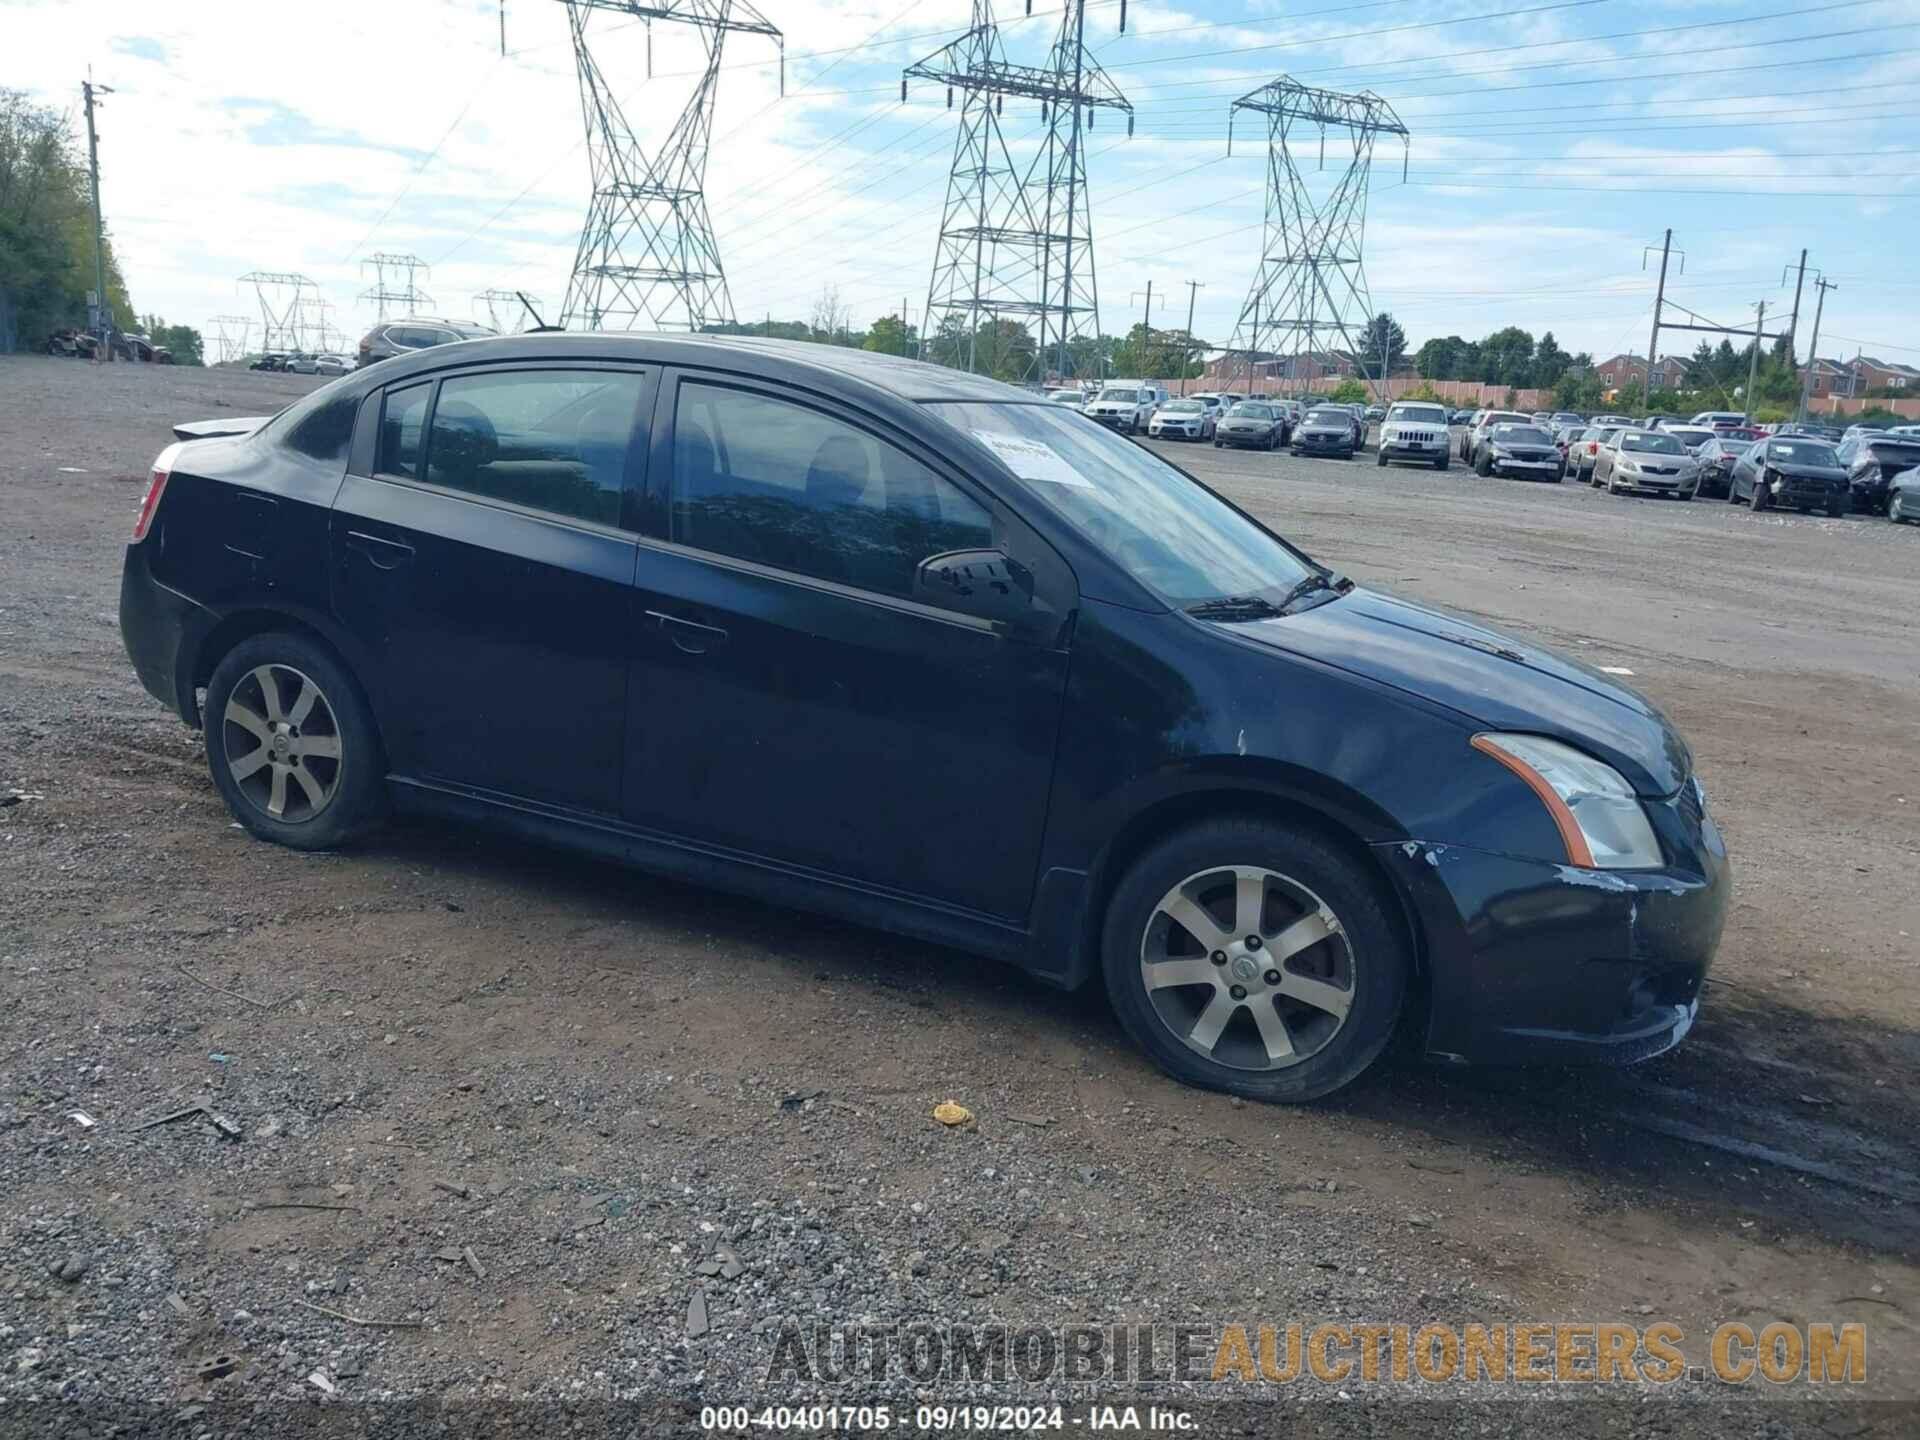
(1650, 462)
(1182, 420)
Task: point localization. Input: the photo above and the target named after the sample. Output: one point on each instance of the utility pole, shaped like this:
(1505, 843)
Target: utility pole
(1659, 302)
(1793, 325)
(1146, 341)
(1813, 351)
(1194, 287)
(1753, 361)
(104, 314)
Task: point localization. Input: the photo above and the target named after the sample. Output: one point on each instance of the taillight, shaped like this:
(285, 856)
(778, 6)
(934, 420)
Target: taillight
(156, 487)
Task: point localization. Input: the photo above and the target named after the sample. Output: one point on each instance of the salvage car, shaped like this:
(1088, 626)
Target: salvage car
(1126, 405)
(1520, 452)
(909, 646)
(1584, 453)
(1716, 460)
(1903, 498)
(1873, 462)
(1647, 462)
(1482, 421)
(1252, 425)
(1326, 430)
(1182, 420)
(1804, 474)
(1414, 431)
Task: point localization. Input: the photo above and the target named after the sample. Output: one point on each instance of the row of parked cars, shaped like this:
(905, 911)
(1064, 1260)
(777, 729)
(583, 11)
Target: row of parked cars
(1226, 417)
(1716, 453)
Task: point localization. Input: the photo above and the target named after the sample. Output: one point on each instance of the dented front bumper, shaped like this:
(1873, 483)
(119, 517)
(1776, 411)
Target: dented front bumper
(1532, 962)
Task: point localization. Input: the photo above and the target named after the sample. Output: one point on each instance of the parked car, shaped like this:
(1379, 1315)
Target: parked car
(864, 582)
(1414, 430)
(1903, 497)
(302, 362)
(1584, 453)
(1522, 451)
(1739, 432)
(1461, 417)
(1873, 463)
(402, 337)
(1072, 399)
(1692, 437)
(1563, 418)
(1650, 462)
(1126, 405)
(140, 348)
(1716, 460)
(270, 360)
(1483, 420)
(1182, 420)
(1252, 425)
(1326, 430)
(332, 364)
(1713, 418)
(1372, 415)
(1805, 474)
(73, 344)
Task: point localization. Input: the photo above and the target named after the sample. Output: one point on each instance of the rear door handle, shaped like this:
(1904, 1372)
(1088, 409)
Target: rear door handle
(382, 554)
(689, 636)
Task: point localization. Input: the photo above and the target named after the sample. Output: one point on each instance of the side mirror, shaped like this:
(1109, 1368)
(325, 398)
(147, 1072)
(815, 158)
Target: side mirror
(983, 583)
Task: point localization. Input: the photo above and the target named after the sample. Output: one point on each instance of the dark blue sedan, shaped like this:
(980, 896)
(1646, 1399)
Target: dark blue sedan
(912, 647)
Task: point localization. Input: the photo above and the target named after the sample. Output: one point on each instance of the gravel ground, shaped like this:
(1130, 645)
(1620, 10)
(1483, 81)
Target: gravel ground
(531, 1106)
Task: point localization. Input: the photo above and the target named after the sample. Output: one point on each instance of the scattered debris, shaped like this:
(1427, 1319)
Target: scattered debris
(697, 1314)
(451, 1255)
(320, 1382)
(1432, 1169)
(232, 994)
(219, 1367)
(219, 1122)
(1039, 1122)
(18, 797)
(72, 1268)
(298, 1205)
(951, 1113)
(794, 1099)
(730, 1266)
(461, 1191)
(180, 1307)
(361, 1320)
(82, 1119)
(473, 1262)
(218, 1057)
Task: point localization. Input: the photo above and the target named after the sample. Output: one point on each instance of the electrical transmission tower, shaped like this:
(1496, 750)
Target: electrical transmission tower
(1016, 240)
(505, 311)
(395, 285)
(1310, 288)
(648, 258)
(283, 320)
(230, 336)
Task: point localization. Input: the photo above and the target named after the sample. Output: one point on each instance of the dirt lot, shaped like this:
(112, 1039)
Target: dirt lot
(442, 1043)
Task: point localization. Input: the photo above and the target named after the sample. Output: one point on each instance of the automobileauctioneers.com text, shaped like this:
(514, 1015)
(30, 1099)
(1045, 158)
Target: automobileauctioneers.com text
(1333, 1353)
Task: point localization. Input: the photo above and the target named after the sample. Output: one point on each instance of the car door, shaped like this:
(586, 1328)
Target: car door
(1740, 486)
(482, 554)
(792, 701)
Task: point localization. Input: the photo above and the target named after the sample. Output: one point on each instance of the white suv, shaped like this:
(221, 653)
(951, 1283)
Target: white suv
(1414, 431)
(1126, 404)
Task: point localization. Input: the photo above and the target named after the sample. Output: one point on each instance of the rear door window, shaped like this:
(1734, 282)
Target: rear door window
(552, 440)
(402, 428)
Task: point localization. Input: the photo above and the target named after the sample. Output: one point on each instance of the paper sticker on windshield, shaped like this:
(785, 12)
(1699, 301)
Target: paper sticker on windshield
(1032, 459)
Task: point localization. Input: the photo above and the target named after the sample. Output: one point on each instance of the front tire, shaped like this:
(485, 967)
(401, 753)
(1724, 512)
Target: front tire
(1758, 500)
(1254, 956)
(1896, 511)
(1380, 459)
(1483, 467)
(1442, 460)
(291, 744)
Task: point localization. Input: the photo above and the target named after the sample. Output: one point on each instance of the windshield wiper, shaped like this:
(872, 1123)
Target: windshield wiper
(1230, 608)
(1311, 584)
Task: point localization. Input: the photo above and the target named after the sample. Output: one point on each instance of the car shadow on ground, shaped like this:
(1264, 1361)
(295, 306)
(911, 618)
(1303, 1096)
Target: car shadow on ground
(1768, 1111)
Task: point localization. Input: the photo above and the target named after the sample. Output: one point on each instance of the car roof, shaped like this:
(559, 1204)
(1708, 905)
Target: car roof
(790, 359)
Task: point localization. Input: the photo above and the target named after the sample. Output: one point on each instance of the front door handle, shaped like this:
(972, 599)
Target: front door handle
(381, 554)
(689, 636)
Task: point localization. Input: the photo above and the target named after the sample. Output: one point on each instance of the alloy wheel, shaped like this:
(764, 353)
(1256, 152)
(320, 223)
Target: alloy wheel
(281, 742)
(1247, 968)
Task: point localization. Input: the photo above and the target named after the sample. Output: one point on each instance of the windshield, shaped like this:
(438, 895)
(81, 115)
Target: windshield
(1183, 407)
(1170, 533)
(1418, 415)
(1651, 444)
(1248, 410)
(1520, 435)
(1127, 396)
(1688, 435)
(1803, 452)
(1329, 417)
(1567, 417)
(1884, 450)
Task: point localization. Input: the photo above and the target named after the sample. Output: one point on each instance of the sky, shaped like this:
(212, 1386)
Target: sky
(1552, 142)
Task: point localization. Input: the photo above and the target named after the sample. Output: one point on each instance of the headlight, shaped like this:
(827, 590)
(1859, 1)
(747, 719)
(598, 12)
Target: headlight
(1598, 815)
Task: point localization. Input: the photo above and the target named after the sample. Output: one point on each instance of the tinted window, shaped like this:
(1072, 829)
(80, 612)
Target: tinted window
(400, 430)
(1184, 407)
(1417, 415)
(1329, 417)
(1802, 452)
(1127, 397)
(764, 480)
(1247, 410)
(410, 337)
(1520, 435)
(1887, 452)
(554, 440)
(1174, 535)
(324, 431)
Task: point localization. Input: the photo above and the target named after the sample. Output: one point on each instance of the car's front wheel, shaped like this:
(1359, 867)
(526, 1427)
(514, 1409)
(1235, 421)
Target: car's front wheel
(1896, 510)
(291, 743)
(1256, 957)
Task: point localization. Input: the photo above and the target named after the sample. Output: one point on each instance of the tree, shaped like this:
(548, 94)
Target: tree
(890, 335)
(1349, 392)
(1549, 362)
(830, 316)
(1506, 358)
(1440, 359)
(1578, 390)
(182, 340)
(1383, 345)
(46, 226)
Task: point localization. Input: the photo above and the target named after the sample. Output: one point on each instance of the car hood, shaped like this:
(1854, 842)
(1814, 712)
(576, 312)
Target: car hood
(1806, 472)
(1322, 427)
(1493, 679)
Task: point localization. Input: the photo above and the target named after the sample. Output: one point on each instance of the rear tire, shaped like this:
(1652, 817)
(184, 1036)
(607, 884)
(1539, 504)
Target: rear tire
(1896, 512)
(1333, 1005)
(292, 745)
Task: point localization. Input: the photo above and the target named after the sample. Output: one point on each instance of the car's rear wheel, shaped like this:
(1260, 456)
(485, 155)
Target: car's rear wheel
(1255, 957)
(1838, 509)
(1896, 511)
(291, 743)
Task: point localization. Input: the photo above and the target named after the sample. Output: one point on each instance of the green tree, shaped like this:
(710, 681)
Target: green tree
(46, 226)
(1440, 359)
(1349, 392)
(890, 335)
(182, 340)
(1383, 345)
(1506, 358)
(1550, 362)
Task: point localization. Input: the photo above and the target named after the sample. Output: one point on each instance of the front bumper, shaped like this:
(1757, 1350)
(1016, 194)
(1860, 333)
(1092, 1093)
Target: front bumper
(1243, 437)
(1331, 444)
(1810, 492)
(1532, 962)
(1413, 449)
(1174, 432)
(1122, 421)
(159, 626)
(1656, 484)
